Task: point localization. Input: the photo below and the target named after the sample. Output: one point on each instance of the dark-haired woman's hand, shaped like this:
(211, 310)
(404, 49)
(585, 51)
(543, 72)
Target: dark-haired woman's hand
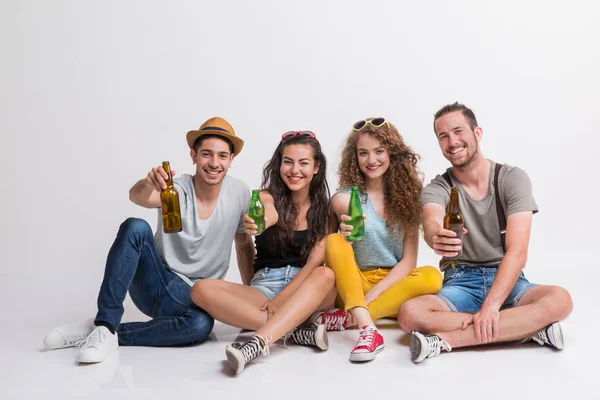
(249, 225)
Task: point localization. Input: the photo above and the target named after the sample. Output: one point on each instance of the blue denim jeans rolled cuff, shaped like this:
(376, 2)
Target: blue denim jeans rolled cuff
(134, 265)
(465, 288)
(271, 281)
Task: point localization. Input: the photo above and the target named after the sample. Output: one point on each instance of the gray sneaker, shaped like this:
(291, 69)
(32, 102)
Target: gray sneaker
(426, 346)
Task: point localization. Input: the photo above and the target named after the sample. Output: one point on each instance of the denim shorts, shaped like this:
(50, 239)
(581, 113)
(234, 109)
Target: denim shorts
(271, 281)
(464, 288)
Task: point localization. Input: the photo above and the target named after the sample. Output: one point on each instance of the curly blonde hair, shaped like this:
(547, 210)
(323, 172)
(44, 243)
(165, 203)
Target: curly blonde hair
(402, 181)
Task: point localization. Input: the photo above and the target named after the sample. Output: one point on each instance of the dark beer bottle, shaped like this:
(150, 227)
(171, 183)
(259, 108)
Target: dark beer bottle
(355, 213)
(169, 200)
(256, 211)
(453, 220)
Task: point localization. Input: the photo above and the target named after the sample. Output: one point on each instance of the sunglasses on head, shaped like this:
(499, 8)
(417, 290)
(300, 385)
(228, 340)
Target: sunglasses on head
(291, 134)
(376, 122)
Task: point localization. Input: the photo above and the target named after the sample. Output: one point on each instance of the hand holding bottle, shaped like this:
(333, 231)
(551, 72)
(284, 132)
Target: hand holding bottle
(158, 177)
(346, 228)
(254, 221)
(250, 226)
(446, 242)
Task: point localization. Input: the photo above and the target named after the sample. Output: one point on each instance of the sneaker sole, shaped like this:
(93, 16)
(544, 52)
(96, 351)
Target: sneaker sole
(235, 358)
(361, 357)
(416, 350)
(321, 338)
(557, 336)
(91, 360)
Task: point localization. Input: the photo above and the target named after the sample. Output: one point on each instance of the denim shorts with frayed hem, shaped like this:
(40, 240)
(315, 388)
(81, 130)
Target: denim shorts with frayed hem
(271, 281)
(464, 288)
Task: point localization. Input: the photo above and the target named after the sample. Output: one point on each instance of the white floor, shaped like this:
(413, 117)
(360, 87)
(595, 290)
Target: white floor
(32, 305)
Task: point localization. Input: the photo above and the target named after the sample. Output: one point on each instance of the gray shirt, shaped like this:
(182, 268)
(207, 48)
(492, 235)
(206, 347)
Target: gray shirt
(203, 248)
(482, 246)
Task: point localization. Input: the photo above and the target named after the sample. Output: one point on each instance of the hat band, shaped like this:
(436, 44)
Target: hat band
(214, 128)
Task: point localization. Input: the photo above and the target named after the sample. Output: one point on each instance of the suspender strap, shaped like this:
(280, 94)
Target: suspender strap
(499, 209)
(446, 176)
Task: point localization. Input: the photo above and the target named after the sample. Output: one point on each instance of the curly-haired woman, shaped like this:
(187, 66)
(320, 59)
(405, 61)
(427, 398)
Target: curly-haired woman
(376, 275)
(290, 281)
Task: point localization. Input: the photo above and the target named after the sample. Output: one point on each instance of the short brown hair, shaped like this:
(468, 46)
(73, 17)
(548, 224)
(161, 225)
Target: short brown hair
(200, 139)
(456, 106)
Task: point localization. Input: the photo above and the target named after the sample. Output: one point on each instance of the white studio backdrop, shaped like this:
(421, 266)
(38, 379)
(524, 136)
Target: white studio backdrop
(95, 93)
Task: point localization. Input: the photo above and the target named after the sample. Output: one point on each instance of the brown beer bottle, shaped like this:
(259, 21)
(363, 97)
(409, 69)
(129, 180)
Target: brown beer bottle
(169, 199)
(453, 220)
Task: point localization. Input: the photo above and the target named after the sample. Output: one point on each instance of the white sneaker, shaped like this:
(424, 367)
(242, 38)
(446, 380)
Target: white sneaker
(98, 345)
(68, 335)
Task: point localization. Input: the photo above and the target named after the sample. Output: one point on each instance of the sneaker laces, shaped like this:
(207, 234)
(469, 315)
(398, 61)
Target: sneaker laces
(254, 347)
(540, 337)
(304, 336)
(334, 322)
(366, 336)
(92, 340)
(435, 344)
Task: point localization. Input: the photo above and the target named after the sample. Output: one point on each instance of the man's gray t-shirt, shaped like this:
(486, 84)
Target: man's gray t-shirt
(482, 245)
(203, 248)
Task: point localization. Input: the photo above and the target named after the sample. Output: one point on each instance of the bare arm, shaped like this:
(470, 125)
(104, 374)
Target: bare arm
(518, 230)
(400, 270)
(486, 321)
(315, 259)
(146, 192)
(244, 250)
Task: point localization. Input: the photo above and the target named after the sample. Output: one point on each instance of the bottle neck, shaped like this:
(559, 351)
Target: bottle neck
(454, 207)
(169, 180)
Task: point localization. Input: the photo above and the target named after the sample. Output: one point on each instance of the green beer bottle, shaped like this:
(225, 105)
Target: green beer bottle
(169, 200)
(355, 213)
(256, 211)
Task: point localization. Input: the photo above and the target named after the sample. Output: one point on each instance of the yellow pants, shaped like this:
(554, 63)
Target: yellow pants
(352, 283)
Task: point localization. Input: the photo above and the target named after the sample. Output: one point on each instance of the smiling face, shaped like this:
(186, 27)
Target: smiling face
(213, 158)
(458, 142)
(298, 167)
(373, 158)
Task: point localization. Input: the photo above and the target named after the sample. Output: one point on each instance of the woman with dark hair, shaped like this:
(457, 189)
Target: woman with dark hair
(290, 281)
(376, 275)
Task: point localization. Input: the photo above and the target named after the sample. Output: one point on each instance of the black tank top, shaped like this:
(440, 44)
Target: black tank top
(283, 256)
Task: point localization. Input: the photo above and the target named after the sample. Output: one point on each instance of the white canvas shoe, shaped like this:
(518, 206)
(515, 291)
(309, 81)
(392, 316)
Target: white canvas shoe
(68, 335)
(98, 345)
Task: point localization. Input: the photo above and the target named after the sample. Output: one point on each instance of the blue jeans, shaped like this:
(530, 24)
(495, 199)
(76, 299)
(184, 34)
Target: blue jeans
(464, 288)
(271, 281)
(134, 265)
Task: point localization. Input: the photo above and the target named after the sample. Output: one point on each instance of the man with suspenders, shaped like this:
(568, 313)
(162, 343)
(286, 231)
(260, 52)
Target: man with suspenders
(485, 297)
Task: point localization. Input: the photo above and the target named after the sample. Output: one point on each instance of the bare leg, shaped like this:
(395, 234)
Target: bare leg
(316, 293)
(429, 314)
(231, 303)
(540, 306)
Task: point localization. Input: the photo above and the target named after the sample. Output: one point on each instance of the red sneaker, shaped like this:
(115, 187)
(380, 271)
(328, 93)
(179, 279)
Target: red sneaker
(370, 342)
(334, 319)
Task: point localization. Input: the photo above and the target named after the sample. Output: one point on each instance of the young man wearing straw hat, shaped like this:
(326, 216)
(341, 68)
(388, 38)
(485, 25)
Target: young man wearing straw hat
(158, 270)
